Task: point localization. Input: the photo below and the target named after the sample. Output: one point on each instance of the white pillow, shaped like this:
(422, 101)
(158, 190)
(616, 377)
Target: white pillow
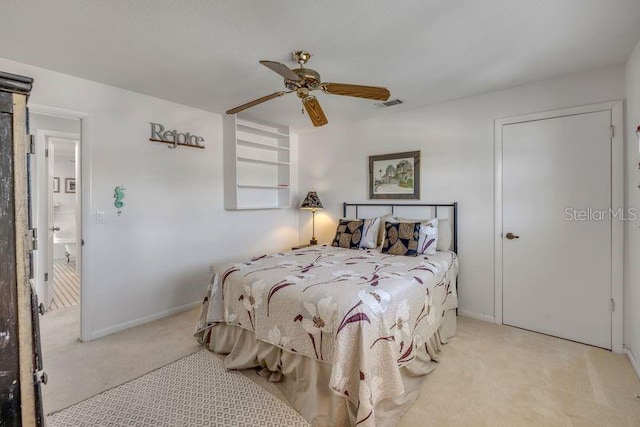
(382, 230)
(370, 233)
(444, 235)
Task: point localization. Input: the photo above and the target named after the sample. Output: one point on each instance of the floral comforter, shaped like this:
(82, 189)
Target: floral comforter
(364, 312)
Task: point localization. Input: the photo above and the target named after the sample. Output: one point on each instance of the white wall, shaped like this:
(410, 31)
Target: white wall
(64, 204)
(64, 168)
(457, 144)
(153, 259)
(58, 124)
(632, 231)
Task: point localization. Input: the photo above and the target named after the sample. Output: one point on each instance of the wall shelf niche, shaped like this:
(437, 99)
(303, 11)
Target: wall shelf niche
(261, 145)
(262, 162)
(256, 164)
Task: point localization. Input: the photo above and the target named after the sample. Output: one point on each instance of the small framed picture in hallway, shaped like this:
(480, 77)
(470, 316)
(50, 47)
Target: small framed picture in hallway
(395, 176)
(69, 185)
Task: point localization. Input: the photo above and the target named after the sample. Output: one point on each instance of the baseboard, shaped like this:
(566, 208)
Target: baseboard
(142, 320)
(472, 315)
(632, 359)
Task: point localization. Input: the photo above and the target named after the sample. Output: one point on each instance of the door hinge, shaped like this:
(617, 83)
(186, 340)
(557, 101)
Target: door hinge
(46, 277)
(31, 144)
(611, 304)
(46, 152)
(32, 239)
(611, 131)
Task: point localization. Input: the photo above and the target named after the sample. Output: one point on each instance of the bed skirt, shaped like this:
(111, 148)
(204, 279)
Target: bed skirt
(305, 382)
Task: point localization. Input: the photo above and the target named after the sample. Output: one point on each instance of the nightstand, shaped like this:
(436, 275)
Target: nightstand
(295, 248)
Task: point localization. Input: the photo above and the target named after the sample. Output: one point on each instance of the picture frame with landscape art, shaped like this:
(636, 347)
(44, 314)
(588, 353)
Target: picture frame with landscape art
(395, 176)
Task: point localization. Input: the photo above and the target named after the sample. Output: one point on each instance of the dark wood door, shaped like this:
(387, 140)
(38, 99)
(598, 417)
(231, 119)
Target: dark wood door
(20, 360)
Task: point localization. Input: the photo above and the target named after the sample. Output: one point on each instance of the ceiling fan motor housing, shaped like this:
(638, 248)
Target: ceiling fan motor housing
(309, 79)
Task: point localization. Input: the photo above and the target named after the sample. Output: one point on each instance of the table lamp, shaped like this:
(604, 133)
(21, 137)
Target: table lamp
(312, 202)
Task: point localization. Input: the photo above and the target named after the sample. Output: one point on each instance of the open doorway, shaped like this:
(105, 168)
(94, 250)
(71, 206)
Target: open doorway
(57, 213)
(64, 289)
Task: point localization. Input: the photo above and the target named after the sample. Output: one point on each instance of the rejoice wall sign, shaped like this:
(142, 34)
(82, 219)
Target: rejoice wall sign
(173, 137)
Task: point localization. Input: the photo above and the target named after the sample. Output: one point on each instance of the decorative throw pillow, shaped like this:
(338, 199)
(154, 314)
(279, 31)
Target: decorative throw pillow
(429, 234)
(348, 233)
(370, 233)
(428, 242)
(401, 238)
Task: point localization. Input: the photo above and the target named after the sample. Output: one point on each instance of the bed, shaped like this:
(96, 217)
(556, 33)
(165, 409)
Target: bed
(348, 334)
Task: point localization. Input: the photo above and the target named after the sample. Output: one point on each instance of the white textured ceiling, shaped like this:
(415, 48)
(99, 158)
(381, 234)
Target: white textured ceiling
(205, 53)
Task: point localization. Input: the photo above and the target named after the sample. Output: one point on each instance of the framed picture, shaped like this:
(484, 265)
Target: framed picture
(56, 184)
(69, 185)
(395, 176)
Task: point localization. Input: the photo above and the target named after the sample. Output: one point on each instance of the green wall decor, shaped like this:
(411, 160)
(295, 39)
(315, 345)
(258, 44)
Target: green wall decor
(118, 195)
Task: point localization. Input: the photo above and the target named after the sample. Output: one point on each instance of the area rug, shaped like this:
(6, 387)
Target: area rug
(194, 391)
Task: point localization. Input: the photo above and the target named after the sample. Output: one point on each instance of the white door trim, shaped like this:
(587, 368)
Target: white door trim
(84, 189)
(617, 201)
(41, 191)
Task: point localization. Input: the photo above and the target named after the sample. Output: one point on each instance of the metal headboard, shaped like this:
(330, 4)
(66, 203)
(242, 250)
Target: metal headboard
(453, 206)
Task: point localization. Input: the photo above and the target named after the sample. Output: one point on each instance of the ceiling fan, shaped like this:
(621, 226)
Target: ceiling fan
(304, 80)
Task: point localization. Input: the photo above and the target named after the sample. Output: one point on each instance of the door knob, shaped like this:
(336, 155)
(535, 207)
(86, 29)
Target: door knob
(55, 229)
(511, 236)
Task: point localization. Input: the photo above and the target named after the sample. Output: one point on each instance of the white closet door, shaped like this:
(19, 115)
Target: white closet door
(556, 199)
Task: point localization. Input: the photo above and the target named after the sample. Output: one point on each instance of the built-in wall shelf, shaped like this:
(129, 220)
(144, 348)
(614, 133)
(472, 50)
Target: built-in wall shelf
(279, 187)
(256, 164)
(261, 145)
(262, 162)
(263, 129)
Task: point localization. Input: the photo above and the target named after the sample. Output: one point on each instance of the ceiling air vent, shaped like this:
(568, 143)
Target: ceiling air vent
(389, 103)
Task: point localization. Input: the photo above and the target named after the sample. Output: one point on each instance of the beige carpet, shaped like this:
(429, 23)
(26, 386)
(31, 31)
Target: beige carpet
(489, 375)
(492, 375)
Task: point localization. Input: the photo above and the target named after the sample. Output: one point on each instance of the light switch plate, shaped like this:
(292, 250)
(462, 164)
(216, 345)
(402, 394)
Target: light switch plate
(100, 218)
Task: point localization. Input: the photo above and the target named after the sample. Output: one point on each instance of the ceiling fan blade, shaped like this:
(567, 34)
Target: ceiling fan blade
(314, 111)
(369, 92)
(255, 102)
(281, 69)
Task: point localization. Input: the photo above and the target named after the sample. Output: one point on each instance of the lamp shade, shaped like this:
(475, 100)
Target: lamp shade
(312, 201)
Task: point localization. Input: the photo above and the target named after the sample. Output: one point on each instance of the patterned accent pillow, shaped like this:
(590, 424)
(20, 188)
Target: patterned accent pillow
(348, 234)
(401, 238)
(428, 241)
